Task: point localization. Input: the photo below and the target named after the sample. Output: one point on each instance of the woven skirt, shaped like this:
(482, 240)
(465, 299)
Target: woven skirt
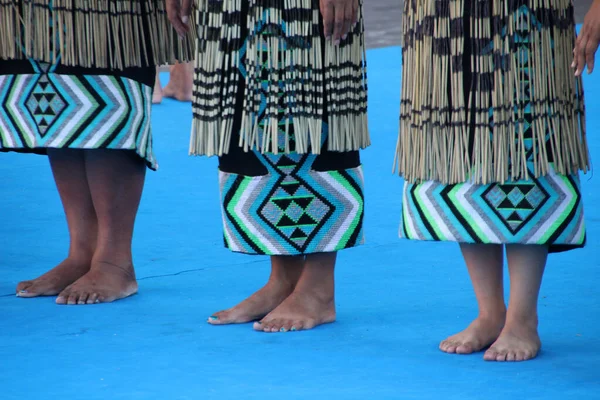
(288, 204)
(55, 106)
(545, 210)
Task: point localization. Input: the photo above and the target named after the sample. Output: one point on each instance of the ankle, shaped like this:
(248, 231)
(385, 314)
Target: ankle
(495, 315)
(81, 254)
(522, 320)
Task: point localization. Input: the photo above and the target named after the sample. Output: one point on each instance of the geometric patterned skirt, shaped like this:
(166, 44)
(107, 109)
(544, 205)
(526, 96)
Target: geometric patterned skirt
(547, 210)
(288, 204)
(53, 106)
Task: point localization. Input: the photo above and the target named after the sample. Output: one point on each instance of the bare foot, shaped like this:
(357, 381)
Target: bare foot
(480, 334)
(256, 306)
(181, 82)
(104, 283)
(517, 342)
(55, 280)
(302, 310)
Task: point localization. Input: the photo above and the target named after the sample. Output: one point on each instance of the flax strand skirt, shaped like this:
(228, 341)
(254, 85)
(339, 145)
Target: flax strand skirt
(78, 74)
(284, 201)
(451, 132)
(113, 34)
(494, 157)
(317, 78)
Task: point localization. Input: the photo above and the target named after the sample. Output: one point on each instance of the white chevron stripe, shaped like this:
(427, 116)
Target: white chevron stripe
(407, 219)
(138, 114)
(146, 133)
(5, 133)
(106, 125)
(234, 245)
(349, 204)
(82, 106)
(550, 219)
(425, 193)
(463, 198)
(245, 203)
(21, 81)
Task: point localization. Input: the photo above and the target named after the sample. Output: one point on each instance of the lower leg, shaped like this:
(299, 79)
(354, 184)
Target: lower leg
(519, 339)
(181, 82)
(285, 271)
(485, 264)
(68, 168)
(116, 180)
(311, 303)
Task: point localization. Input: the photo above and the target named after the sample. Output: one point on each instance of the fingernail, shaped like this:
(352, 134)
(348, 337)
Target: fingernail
(573, 64)
(185, 19)
(328, 38)
(213, 318)
(344, 37)
(337, 42)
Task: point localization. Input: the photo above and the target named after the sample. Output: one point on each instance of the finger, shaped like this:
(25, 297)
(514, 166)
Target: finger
(338, 28)
(174, 15)
(580, 59)
(355, 13)
(590, 54)
(328, 18)
(186, 12)
(348, 14)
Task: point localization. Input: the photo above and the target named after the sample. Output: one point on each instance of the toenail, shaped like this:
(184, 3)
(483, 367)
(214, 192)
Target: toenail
(282, 330)
(213, 318)
(293, 328)
(23, 291)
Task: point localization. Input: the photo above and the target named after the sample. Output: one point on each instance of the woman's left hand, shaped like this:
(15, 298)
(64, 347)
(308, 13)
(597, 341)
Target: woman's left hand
(587, 41)
(179, 12)
(339, 17)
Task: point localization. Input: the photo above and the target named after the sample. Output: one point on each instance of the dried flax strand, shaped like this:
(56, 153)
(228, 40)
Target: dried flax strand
(513, 49)
(287, 60)
(91, 33)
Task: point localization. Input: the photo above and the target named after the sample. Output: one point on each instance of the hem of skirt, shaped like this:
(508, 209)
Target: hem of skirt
(552, 247)
(298, 253)
(43, 151)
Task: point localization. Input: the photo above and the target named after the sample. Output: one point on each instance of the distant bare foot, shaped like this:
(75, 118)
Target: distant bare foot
(181, 82)
(480, 334)
(104, 283)
(55, 280)
(302, 310)
(517, 342)
(256, 306)
(157, 93)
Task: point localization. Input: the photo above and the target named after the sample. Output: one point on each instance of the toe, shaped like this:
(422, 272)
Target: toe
(73, 297)
(511, 356)
(448, 346)
(92, 298)
(258, 326)
(297, 326)
(490, 355)
(276, 325)
(501, 356)
(83, 298)
(287, 326)
(23, 286)
(465, 348)
(218, 318)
